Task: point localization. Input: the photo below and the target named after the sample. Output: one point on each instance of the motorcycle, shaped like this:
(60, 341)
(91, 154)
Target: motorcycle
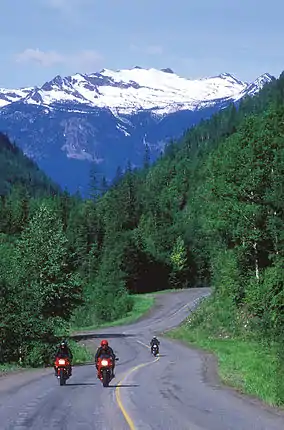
(62, 366)
(104, 367)
(155, 349)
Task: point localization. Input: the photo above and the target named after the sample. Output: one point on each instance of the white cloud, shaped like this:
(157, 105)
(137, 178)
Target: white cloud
(44, 59)
(148, 50)
(85, 61)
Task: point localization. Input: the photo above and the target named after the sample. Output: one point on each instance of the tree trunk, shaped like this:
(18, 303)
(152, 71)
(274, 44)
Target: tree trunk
(256, 264)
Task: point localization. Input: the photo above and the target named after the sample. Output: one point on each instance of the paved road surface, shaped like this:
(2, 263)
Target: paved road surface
(173, 392)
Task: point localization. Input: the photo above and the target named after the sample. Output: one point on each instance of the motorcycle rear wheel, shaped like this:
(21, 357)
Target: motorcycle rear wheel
(106, 378)
(62, 380)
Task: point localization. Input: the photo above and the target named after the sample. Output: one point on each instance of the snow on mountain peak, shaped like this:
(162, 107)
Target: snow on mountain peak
(254, 87)
(128, 91)
(230, 78)
(263, 79)
(8, 96)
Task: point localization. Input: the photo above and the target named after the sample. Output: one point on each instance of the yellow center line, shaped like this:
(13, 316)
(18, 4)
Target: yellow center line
(118, 395)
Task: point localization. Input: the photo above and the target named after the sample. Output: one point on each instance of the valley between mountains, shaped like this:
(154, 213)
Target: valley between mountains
(105, 120)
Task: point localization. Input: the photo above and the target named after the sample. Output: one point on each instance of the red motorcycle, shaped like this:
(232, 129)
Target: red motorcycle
(62, 366)
(104, 367)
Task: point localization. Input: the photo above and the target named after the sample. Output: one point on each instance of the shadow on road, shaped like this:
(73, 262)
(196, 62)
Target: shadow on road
(86, 336)
(81, 384)
(88, 363)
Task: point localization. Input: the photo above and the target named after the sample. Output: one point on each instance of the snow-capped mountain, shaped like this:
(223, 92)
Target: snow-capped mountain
(129, 91)
(10, 96)
(108, 116)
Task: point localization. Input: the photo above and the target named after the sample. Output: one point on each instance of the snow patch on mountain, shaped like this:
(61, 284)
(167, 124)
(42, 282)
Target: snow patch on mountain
(128, 91)
(9, 96)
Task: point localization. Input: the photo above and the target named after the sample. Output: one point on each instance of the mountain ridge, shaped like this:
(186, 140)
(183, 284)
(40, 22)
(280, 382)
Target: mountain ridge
(17, 170)
(108, 117)
(161, 91)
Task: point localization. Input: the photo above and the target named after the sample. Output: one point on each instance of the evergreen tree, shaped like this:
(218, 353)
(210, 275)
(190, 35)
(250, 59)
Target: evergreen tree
(49, 292)
(147, 157)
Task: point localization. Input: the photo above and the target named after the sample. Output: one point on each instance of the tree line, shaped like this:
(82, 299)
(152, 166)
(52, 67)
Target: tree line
(208, 212)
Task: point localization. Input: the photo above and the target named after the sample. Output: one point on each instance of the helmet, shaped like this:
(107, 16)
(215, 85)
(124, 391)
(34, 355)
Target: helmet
(104, 343)
(63, 344)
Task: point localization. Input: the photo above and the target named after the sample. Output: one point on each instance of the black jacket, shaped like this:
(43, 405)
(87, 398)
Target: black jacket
(154, 342)
(108, 351)
(64, 352)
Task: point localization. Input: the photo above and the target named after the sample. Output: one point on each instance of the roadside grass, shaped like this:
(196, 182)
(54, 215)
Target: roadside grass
(141, 306)
(142, 303)
(81, 352)
(170, 290)
(8, 368)
(243, 363)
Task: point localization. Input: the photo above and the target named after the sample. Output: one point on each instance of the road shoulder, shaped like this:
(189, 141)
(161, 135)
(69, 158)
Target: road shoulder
(211, 377)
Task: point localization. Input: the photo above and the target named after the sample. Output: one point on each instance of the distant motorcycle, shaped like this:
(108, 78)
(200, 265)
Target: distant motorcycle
(104, 367)
(62, 366)
(155, 349)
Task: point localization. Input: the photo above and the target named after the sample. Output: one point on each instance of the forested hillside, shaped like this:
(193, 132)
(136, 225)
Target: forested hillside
(17, 169)
(209, 212)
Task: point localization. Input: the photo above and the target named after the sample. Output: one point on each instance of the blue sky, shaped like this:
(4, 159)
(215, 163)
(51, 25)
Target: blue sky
(196, 38)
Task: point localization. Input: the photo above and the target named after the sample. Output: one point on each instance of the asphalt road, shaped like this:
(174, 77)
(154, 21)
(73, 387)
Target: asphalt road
(178, 391)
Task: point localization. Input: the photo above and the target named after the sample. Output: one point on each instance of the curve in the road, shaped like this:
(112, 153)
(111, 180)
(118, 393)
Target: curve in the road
(175, 393)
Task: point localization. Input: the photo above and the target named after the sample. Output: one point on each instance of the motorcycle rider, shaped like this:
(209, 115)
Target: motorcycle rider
(105, 349)
(64, 351)
(154, 341)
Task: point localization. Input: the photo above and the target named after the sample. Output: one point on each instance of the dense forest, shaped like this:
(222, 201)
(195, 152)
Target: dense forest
(17, 169)
(208, 212)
